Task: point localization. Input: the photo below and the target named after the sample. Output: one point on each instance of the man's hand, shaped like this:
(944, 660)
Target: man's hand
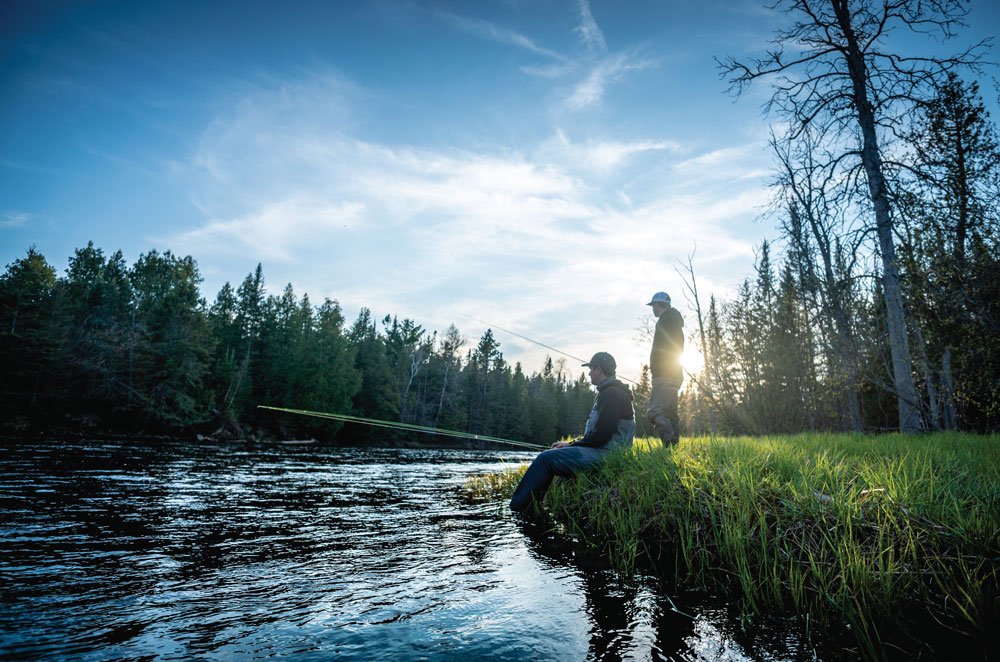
(560, 444)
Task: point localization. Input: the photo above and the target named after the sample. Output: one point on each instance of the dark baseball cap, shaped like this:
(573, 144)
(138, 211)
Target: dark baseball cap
(604, 361)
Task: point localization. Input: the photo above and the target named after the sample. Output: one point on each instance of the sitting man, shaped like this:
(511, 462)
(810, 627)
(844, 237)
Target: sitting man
(611, 425)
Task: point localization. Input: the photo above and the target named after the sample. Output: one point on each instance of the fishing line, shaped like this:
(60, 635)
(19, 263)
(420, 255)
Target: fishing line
(409, 427)
(541, 344)
(707, 392)
(514, 333)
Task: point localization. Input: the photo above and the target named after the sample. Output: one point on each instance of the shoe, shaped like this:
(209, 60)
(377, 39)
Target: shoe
(665, 431)
(669, 439)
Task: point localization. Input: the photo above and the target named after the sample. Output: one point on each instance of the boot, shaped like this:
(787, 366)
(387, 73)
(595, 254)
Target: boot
(665, 431)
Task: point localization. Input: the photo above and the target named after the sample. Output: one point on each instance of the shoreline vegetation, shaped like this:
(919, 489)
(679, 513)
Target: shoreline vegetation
(891, 541)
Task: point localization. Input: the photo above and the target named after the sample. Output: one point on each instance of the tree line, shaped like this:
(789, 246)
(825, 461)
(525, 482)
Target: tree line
(137, 350)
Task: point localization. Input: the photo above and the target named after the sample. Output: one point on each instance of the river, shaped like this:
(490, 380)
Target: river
(118, 550)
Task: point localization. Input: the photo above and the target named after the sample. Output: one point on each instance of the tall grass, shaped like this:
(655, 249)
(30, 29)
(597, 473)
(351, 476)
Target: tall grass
(857, 530)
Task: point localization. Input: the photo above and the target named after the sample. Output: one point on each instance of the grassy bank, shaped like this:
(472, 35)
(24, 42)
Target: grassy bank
(893, 531)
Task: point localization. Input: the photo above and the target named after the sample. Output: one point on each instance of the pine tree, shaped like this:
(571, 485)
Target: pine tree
(378, 396)
(29, 338)
(101, 338)
(173, 348)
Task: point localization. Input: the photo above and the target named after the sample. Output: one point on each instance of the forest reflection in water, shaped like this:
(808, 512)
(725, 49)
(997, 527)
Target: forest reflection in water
(128, 549)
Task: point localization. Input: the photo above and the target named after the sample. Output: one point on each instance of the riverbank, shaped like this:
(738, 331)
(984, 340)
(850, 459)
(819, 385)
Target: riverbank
(252, 437)
(884, 537)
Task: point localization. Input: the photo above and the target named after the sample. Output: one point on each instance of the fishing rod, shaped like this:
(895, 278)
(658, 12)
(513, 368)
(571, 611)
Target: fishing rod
(541, 344)
(409, 427)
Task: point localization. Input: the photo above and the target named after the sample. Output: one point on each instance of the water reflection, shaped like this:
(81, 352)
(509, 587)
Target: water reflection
(118, 550)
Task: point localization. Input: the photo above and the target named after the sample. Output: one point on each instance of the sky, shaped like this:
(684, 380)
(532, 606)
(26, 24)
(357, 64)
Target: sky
(543, 166)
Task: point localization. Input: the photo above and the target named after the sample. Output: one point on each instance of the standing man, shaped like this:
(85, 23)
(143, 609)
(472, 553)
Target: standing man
(665, 369)
(611, 425)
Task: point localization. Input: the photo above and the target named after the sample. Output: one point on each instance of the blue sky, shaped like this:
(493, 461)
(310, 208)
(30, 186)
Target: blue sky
(544, 165)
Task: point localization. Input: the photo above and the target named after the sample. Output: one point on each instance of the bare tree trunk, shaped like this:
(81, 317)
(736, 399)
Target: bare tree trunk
(237, 380)
(809, 204)
(849, 369)
(444, 386)
(13, 319)
(948, 397)
(906, 394)
(706, 385)
(416, 358)
(932, 394)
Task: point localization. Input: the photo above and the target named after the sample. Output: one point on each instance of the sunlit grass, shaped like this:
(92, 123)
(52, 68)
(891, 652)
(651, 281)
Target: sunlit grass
(494, 485)
(834, 526)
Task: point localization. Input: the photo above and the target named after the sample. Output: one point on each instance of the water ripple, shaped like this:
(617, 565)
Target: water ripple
(116, 550)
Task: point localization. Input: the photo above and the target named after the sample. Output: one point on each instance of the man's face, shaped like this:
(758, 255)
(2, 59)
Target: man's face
(659, 308)
(596, 375)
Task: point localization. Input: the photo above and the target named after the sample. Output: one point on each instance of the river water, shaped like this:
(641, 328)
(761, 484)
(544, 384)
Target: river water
(115, 550)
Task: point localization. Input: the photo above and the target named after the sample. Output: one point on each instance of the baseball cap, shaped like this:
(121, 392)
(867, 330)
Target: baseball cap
(659, 297)
(604, 361)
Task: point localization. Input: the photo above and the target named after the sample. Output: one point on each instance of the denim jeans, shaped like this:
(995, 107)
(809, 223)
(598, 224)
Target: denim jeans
(553, 462)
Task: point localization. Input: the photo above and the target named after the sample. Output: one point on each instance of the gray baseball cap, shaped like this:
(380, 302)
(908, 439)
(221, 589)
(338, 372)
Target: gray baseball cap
(604, 361)
(659, 297)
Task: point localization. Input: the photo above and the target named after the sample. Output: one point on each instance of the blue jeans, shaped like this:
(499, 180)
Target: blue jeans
(553, 462)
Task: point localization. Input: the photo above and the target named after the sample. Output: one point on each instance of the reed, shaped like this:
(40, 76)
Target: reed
(847, 529)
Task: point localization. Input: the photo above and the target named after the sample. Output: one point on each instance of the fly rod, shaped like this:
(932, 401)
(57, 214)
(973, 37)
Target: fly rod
(409, 427)
(541, 344)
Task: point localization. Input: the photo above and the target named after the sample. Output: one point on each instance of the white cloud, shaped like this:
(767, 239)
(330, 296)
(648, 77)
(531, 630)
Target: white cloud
(591, 89)
(605, 155)
(14, 219)
(601, 69)
(273, 232)
(588, 29)
(549, 71)
(494, 32)
(571, 235)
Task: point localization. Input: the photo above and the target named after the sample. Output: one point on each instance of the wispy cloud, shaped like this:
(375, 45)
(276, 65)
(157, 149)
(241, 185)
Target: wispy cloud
(494, 32)
(727, 162)
(435, 232)
(591, 89)
(27, 167)
(551, 71)
(599, 68)
(14, 219)
(274, 232)
(588, 29)
(605, 155)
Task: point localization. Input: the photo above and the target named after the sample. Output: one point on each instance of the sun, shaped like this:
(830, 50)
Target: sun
(692, 360)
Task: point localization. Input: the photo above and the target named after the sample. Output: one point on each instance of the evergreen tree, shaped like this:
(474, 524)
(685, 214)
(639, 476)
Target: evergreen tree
(954, 206)
(321, 371)
(481, 383)
(228, 355)
(173, 348)
(407, 351)
(448, 400)
(378, 396)
(543, 404)
(30, 339)
(237, 401)
(101, 338)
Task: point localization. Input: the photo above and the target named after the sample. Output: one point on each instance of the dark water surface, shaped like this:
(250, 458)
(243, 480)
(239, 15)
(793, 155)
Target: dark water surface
(117, 550)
